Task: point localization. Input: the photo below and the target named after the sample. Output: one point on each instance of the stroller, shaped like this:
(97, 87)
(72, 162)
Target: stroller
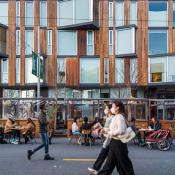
(161, 138)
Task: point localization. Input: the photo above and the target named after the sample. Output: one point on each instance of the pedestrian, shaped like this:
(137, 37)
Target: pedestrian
(105, 148)
(43, 124)
(118, 151)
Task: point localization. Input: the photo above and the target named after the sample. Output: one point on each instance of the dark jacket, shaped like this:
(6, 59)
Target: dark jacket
(42, 122)
(85, 126)
(156, 126)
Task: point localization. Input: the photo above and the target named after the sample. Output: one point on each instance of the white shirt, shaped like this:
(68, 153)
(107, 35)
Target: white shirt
(117, 126)
(74, 127)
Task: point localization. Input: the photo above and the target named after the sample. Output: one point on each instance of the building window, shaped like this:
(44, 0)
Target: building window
(67, 43)
(158, 42)
(29, 77)
(43, 13)
(119, 64)
(18, 13)
(171, 70)
(18, 42)
(158, 69)
(119, 13)
(173, 14)
(133, 71)
(74, 12)
(110, 14)
(110, 42)
(158, 14)
(28, 42)
(61, 73)
(89, 70)
(4, 13)
(133, 12)
(49, 42)
(29, 13)
(90, 43)
(106, 70)
(17, 70)
(4, 71)
(123, 35)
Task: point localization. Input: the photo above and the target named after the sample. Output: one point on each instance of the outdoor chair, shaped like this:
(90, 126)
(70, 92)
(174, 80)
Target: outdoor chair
(86, 137)
(72, 136)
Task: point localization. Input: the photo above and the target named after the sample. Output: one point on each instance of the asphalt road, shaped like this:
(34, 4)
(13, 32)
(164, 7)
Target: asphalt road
(74, 160)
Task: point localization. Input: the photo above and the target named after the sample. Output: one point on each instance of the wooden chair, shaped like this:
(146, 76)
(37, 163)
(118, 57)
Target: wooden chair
(72, 136)
(86, 136)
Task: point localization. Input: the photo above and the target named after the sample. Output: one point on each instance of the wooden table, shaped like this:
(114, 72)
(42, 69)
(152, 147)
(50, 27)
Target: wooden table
(145, 131)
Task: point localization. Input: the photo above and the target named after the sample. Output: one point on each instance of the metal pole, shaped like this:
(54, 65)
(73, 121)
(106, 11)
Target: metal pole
(38, 69)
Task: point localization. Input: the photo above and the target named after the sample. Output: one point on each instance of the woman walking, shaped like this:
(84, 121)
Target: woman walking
(118, 151)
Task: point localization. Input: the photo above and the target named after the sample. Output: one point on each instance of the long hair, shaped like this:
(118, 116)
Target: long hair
(121, 107)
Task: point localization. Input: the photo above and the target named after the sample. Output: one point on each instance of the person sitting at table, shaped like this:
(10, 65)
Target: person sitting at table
(28, 129)
(155, 124)
(9, 129)
(96, 128)
(75, 130)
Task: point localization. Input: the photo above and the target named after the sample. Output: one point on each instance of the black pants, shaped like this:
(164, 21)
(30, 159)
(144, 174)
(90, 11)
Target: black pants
(101, 158)
(118, 156)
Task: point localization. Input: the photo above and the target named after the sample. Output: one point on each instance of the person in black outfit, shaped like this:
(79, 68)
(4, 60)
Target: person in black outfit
(155, 124)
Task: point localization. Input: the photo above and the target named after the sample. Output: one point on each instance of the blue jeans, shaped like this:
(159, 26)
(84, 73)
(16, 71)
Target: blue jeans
(45, 143)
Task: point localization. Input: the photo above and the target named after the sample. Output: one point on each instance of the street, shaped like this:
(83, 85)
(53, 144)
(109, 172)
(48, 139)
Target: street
(74, 159)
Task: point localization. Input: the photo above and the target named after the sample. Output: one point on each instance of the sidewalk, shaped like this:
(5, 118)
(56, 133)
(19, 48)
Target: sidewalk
(74, 160)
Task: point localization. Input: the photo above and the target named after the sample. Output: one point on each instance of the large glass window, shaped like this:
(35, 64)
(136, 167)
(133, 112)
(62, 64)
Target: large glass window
(49, 42)
(29, 77)
(133, 12)
(158, 42)
(123, 35)
(61, 72)
(110, 14)
(110, 42)
(158, 14)
(4, 71)
(43, 13)
(119, 64)
(119, 13)
(4, 13)
(28, 42)
(173, 14)
(90, 43)
(74, 12)
(18, 42)
(18, 13)
(171, 69)
(158, 69)
(67, 43)
(29, 13)
(89, 70)
(133, 71)
(17, 70)
(106, 70)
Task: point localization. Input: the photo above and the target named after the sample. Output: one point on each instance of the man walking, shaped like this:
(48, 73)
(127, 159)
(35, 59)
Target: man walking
(44, 135)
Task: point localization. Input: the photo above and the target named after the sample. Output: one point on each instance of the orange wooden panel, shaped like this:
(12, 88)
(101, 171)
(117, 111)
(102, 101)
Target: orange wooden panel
(82, 42)
(43, 43)
(12, 43)
(36, 23)
(126, 12)
(173, 40)
(112, 70)
(170, 28)
(22, 40)
(72, 71)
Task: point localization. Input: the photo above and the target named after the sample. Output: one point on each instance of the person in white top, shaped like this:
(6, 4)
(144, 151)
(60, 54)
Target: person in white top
(75, 129)
(118, 151)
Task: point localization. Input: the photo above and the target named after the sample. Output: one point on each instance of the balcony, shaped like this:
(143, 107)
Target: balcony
(3, 50)
(78, 14)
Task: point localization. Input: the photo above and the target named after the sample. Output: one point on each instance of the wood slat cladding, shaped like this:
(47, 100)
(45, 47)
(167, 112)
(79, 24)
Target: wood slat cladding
(112, 70)
(127, 60)
(103, 37)
(142, 40)
(82, 42)
(72, 71)
(3, 40)
(22, 40)
(43, 44)
(170, 28)
(12, 43)
(51, 63)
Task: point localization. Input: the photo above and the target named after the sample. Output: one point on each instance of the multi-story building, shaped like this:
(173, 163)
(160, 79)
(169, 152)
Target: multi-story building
(90, 48)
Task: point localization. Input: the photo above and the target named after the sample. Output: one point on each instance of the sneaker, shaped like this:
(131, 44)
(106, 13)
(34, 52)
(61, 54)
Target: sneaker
(48, 157)
(29, 154)
(93, 171)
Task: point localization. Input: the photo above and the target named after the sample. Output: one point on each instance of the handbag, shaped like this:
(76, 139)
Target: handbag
(129, 134)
